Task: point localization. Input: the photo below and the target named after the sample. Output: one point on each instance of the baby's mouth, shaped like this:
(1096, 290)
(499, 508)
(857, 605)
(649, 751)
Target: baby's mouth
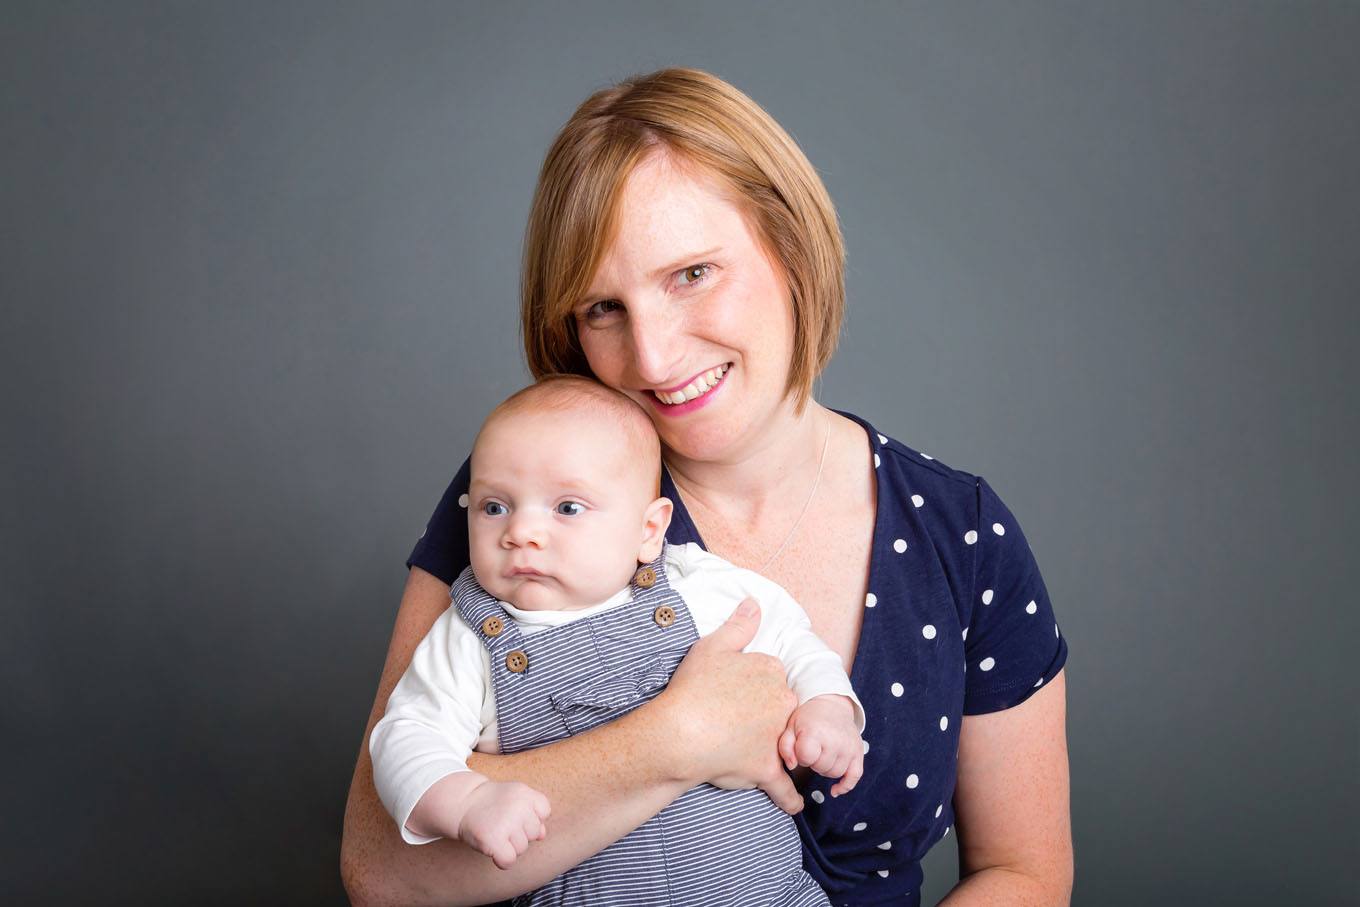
(700, 385)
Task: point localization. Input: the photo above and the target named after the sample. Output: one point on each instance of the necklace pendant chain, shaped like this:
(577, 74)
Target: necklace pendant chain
(821, 464)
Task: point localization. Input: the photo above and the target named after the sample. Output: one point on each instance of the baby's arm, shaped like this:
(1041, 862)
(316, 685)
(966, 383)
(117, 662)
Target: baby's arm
(420, 748)
(823, 734)
(499, 819)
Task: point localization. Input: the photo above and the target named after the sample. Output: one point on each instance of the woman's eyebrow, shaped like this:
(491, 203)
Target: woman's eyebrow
(690, 258)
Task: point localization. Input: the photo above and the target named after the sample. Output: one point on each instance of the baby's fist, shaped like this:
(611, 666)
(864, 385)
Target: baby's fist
(822, 734)
(502, 818)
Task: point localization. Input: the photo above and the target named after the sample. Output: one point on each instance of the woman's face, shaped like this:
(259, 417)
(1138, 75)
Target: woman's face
(689, 316)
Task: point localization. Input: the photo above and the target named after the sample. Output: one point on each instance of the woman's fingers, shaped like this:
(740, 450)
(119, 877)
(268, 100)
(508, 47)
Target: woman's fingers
(786, 749)
(737, 631)
(779, 787)
(727, 709)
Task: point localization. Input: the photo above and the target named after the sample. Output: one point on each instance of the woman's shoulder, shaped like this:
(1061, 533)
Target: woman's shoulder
(953, 509)
(442, 548)
(913, 476)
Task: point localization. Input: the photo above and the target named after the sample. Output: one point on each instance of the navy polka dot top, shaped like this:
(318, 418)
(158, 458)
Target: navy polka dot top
(956, 622)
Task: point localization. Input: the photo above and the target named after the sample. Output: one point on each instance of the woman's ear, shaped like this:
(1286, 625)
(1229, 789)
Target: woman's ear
(657, 519)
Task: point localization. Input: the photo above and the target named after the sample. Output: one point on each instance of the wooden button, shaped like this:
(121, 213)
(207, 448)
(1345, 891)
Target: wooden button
(516, 661)
(645, 578)
(493, 626)
(664, 616)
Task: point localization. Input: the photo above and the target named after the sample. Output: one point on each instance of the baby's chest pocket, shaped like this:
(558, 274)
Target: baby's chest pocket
(604, 699)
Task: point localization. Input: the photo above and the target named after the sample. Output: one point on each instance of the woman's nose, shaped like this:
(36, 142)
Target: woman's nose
(657, 347)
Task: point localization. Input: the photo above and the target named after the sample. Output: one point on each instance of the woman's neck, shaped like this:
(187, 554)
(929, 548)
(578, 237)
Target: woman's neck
(772, 477)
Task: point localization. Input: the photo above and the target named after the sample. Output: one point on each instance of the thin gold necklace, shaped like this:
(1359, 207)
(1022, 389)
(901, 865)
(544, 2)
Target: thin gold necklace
(806, 504)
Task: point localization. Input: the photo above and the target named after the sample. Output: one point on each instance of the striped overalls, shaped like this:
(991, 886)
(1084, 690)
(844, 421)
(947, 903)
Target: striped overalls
(709, 847)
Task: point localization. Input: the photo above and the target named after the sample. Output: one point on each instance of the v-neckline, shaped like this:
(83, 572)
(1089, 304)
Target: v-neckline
(682, 524)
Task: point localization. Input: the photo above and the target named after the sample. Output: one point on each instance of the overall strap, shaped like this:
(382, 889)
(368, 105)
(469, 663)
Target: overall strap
(480, 611)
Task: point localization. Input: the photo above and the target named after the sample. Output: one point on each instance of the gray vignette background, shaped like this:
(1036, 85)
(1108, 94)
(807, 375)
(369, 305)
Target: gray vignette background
(259, 272)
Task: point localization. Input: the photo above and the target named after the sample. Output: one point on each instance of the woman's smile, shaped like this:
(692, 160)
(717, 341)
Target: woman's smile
(698, 391)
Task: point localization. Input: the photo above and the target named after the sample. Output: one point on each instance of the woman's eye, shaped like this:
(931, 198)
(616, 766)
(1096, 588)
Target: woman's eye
(493, 508)
(601, 309)
(693, 274)
(570, 508)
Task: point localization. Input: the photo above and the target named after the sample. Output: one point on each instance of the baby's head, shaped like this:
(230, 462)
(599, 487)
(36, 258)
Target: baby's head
(563, 502)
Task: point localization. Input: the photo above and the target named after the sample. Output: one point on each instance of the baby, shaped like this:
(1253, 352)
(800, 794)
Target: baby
(554, 629)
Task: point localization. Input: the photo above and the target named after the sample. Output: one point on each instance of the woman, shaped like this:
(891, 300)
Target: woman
(682, 250)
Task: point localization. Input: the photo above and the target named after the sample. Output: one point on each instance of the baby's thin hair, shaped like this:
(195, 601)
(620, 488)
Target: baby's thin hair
(564, 393)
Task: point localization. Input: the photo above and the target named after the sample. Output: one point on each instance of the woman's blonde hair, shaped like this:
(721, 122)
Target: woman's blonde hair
(712, 126)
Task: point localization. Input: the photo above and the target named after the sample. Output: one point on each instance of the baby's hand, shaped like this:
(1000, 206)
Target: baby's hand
(822, 735)
(502, 818)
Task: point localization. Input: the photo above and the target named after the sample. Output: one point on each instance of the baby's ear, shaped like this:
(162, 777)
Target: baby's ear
(657, 519)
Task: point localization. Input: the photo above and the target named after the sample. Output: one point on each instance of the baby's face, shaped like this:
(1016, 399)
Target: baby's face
(558, 510)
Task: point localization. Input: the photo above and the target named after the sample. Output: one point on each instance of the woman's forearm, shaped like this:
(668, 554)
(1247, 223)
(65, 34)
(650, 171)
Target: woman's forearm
(601, 785)
(717, 720)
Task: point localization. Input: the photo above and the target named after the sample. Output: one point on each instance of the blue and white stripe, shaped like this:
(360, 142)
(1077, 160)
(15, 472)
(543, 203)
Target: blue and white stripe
(709, 847)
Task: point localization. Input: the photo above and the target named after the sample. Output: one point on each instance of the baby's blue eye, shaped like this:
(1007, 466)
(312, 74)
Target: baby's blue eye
(493, 508)
(570, 508)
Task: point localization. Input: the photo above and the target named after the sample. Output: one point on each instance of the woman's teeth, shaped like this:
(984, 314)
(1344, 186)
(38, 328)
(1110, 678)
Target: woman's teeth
(698, 386)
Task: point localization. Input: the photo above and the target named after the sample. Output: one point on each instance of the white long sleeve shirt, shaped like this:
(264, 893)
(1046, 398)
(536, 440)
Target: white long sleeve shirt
(444, 706)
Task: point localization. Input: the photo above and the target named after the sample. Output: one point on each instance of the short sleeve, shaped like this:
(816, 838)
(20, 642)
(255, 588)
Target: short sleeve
(443, 548)
(1013, 645)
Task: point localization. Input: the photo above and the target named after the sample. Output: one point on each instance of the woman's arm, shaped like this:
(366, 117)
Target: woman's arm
(1011, 804)
(717, 720)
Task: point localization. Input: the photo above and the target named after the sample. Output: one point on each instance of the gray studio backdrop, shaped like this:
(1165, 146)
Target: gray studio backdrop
(259, 283)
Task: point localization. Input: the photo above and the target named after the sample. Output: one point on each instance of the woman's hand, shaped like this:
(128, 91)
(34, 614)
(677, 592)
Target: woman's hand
(725, 710)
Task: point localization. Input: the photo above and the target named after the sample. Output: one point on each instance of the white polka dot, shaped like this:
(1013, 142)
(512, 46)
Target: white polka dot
(818, 796)
(1055, 631)
(1031, 608)
(944, 722)
(876, 461)
(900, 545)
(912, 781)
(897, 689)
(883, 873)
(987, 664)
(927, 456)
(870, 600)
(882, 440)
(422, 533)
(866, 747)
(986, 596)
(928, 631)
(917, 500)
(462, 500)
(998, 529)
(970, 536)
(965, 632)
(946, 833)
(1037, 682)
(860, 826)
(939, 809)
(886, 845)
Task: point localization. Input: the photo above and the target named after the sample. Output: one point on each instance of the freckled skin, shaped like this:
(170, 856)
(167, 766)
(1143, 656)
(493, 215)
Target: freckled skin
(660, 329)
